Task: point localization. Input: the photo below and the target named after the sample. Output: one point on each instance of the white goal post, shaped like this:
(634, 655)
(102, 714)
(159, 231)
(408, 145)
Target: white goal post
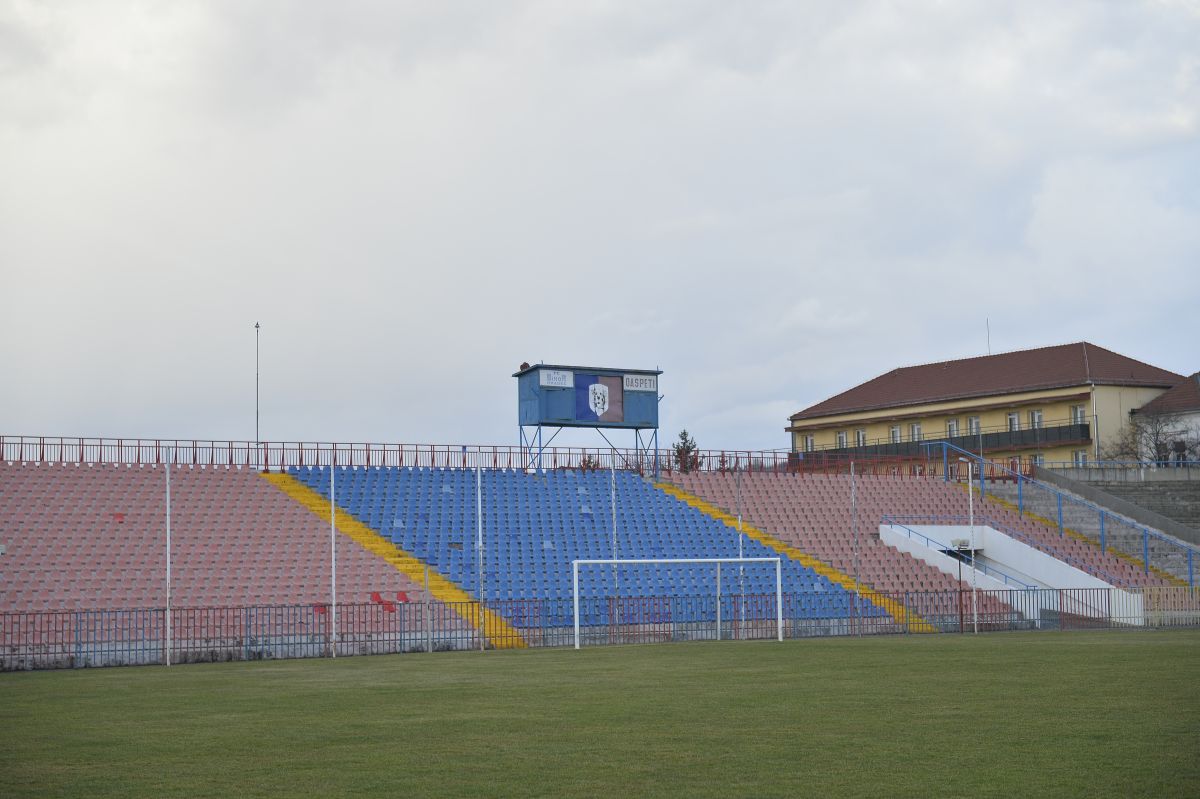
(575, 564)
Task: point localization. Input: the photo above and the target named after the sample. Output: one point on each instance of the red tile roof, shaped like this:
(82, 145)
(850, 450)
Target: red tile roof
(991, 375)
(1183, 398)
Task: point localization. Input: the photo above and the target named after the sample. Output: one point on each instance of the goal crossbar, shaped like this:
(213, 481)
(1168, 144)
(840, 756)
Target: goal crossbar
(575, 564)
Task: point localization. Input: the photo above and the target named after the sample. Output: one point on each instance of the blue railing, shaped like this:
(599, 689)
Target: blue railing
(1063, 501)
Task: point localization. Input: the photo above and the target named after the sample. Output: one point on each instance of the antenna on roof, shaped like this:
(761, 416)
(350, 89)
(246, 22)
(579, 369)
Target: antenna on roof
(988, 322)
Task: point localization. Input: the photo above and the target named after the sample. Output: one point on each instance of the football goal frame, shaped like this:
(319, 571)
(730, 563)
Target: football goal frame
(778, 561)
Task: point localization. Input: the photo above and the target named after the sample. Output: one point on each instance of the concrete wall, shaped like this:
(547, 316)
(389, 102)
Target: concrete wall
(1016, 559)
(1113, 404)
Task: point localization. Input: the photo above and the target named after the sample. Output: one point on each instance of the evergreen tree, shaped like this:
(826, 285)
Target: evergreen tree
(687, 453)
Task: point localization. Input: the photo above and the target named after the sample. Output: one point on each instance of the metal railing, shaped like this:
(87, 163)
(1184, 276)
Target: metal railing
(1149, 549)
(1124, 465)
(282, 455)
(92, 638)
(1050, 433)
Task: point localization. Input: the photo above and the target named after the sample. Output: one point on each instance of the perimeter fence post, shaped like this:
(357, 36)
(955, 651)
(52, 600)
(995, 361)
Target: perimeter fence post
(779, 597)
(575, 599)
(718, 600)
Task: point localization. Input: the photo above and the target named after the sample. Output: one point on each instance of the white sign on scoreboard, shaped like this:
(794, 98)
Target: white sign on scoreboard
(641, 383)
(556, 378)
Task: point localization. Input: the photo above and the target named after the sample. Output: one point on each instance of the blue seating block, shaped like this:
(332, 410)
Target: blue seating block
(535, 525)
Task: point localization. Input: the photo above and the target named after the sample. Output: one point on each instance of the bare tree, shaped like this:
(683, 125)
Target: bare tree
(1153, 438)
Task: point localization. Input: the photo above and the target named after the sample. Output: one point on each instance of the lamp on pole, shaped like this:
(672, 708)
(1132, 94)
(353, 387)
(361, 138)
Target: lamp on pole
(971, 523)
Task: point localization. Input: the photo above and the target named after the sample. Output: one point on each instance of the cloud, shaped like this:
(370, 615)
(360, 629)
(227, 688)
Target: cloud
(771, 202)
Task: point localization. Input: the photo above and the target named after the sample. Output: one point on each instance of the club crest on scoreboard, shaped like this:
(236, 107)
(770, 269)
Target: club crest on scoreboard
(598, 398)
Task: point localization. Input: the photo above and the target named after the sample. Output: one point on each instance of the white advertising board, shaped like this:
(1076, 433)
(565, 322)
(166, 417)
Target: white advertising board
(556, 378)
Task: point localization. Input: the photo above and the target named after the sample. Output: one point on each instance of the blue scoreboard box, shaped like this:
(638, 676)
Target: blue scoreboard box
(587, 396)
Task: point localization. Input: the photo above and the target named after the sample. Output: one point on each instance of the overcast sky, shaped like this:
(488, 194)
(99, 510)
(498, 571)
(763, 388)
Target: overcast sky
(771, 202)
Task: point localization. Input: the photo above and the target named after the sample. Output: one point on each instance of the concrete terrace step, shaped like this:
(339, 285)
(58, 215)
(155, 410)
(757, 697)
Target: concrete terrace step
(1167, 556)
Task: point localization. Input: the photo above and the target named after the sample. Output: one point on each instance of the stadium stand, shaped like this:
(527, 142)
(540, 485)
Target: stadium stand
(813, 511)
(91, 537)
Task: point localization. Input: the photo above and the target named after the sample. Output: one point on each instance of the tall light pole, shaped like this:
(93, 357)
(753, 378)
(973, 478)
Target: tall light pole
(257, 439)
(971, 523)
(741, 566)
(854, 526)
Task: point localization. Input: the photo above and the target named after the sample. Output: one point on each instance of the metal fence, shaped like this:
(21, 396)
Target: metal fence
(91, 638)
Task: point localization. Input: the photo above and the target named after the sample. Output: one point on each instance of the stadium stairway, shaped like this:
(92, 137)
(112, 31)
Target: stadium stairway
(495, 628)
(908, 621)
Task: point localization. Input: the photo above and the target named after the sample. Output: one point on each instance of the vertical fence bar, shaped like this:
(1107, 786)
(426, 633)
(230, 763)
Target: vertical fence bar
(779, 597)
(575, 599)
(718, 601)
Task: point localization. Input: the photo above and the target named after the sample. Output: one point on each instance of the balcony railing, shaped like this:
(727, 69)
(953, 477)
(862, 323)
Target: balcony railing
(987, 439)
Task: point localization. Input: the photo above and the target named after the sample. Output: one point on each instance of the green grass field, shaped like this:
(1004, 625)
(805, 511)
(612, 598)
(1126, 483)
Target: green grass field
(1078, 714)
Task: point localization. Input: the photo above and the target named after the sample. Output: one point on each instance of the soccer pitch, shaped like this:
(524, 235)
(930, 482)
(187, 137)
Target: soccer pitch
(1046, 714)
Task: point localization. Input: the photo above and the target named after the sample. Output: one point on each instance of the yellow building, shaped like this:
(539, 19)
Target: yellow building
(1053, 404)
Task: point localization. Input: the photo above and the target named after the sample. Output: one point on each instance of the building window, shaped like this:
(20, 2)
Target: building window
(914, 431)
(809, 444)
(860, 438)
(951, 428)
(1014, 422)
(1035, 419)
(841, 439)
(1078, 415)
(973, 425)
(1039, 459)
(895, 434)
(1079, 458)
